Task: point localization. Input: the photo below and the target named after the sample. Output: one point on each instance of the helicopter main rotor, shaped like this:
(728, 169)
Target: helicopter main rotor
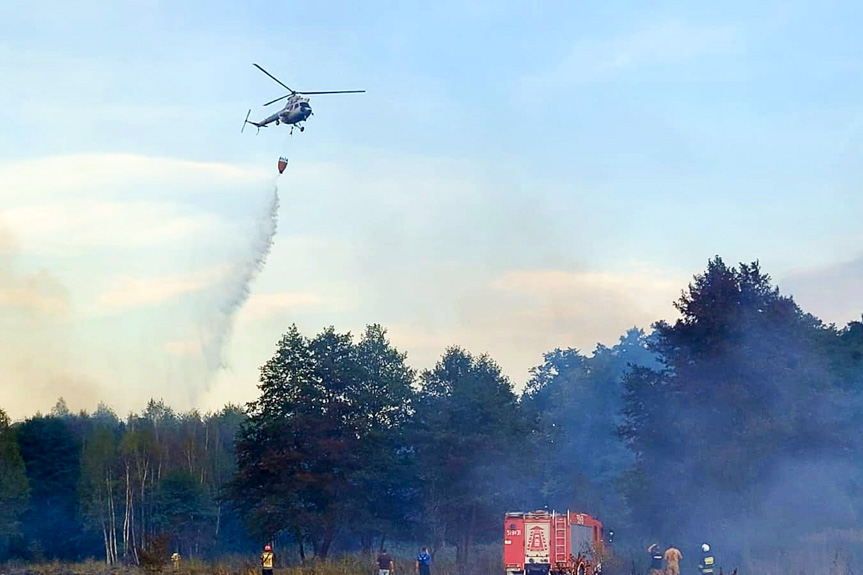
(294, 92)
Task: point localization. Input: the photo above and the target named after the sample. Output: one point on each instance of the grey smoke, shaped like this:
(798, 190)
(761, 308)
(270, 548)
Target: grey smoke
(39, 345)
(235, 290)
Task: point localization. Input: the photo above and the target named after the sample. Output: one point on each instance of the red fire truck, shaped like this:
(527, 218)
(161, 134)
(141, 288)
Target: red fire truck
(550, 543)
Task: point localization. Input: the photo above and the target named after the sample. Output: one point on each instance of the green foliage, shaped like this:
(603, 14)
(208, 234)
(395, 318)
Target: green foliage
(51, 453)
(320, 442)
(122, 478)
(99, 482)
(14, 488)
(385, 482)
(467, 427)
(750, 382)
(220, 434)
(182, 508)
(688, 432)
(576, 401)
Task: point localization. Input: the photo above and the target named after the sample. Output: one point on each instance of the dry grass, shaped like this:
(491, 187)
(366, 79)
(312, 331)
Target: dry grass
(90, 567)
(486, 561)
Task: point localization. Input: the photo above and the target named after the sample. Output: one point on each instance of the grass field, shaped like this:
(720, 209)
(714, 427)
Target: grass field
(832, 554)
(485, 561)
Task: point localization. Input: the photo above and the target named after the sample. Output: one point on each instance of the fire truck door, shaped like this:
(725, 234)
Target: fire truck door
(537, 542)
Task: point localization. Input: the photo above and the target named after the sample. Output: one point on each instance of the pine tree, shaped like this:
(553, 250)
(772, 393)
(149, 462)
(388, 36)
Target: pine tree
(14, 488)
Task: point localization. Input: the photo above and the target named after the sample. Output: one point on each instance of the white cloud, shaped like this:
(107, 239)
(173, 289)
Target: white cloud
(68, 205)
(639, 287)
(72, 227)
(130, 292)
(661, 44)
(29, 297)
(395, 242)
(119, 233)
(520, 314)
(267, 305)
(569, 283)
(110, 175)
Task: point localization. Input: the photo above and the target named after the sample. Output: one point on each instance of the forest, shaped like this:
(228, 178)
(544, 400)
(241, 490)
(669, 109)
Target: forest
(741, 424)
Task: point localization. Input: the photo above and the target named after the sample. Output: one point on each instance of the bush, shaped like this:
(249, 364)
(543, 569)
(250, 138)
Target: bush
(156, 555)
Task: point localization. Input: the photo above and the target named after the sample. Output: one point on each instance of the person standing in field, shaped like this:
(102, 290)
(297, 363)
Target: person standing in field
(672, 561)
(707, 561)
(655, 559)
(423, 566)
(267, 561)
(385, 563)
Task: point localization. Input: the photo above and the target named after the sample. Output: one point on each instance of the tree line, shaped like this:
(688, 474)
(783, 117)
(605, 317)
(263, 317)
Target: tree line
(89, 485)
(689, 432)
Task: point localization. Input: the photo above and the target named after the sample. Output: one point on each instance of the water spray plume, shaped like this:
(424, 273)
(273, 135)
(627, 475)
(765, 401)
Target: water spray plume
(237, 286)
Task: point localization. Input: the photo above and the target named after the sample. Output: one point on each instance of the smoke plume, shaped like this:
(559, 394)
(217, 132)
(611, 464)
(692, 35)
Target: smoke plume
(38, 342)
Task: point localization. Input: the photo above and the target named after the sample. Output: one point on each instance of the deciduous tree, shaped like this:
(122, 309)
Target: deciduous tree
(470, 439)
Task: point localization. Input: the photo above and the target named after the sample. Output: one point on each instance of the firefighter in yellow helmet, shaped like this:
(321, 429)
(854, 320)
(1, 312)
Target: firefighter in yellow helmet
(672, 560)
(707, 561)
(267, 561)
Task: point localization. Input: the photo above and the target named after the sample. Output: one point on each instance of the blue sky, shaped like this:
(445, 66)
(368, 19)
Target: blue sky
(519, 176)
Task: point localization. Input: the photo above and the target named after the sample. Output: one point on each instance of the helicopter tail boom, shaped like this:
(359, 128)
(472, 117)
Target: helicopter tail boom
(247, 121)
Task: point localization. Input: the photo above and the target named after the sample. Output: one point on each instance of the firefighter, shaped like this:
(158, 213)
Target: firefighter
(672, 560)
(655, 559)
(267, 561)
(707, 561)
(175, 559)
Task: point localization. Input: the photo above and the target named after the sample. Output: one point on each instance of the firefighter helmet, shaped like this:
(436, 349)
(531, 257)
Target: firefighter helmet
(705, 547)
(267, 548)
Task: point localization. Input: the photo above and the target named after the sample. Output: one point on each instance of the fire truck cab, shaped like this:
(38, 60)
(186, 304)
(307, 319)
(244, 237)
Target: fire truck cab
(551, 543)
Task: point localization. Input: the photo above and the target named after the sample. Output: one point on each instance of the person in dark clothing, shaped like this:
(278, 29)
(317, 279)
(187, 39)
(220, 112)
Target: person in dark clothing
(423, 566)
(385, 563)
(655, 560)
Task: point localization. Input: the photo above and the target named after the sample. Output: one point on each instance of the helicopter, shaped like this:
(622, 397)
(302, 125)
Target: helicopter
(296, 110)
